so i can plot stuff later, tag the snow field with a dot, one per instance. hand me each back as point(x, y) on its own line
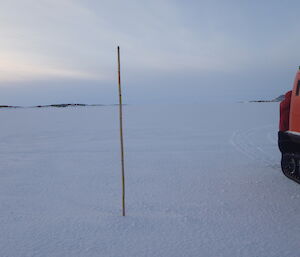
point(202, 180)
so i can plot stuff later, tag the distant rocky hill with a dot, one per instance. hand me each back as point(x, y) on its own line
point(60, 105)
point(71, 105)
point(9, 106)
point(277, 99)
point(57, 105)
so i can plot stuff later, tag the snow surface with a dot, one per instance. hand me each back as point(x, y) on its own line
point(202, 180)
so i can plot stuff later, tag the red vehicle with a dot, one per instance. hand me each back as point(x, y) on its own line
point(289, 132)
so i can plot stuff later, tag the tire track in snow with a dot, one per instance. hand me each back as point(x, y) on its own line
point(235, 142)
point(257, 144)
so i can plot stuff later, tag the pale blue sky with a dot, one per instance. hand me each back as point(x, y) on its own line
point(54, 51)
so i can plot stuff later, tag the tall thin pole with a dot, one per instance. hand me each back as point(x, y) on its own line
point(121, 134)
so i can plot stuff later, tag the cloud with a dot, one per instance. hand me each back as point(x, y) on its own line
point(19, 67)
point(78, 38)
point(46, 39)
point(73, 39)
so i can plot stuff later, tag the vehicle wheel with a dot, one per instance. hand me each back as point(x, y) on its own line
point(288, 165)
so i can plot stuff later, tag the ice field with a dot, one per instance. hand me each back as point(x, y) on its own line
point(202, 180)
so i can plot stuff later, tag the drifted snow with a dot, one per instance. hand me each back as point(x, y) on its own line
point(202, 180)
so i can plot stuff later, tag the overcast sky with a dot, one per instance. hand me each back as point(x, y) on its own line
point(59, 51)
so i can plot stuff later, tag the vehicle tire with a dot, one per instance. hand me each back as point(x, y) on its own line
point(289, 165)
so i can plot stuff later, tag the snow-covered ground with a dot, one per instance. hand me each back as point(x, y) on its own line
point(202, 180)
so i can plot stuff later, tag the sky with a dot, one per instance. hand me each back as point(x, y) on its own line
point(64, 51)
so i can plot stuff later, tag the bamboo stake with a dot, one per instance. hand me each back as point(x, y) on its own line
point(121, 133)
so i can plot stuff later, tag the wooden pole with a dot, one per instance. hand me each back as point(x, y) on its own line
point(121, 133)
